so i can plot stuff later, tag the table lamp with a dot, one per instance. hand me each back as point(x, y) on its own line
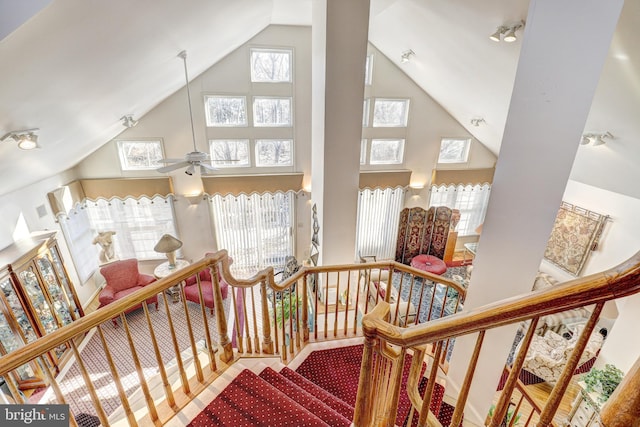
point(168, 245)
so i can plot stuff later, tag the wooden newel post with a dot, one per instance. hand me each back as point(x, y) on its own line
point(221, 319)
point(362, 413)
point(623, 407)
point(267, 343)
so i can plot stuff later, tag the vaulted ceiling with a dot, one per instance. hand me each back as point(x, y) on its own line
point(72, 68)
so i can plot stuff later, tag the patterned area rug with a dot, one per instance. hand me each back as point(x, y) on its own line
point(93, 355)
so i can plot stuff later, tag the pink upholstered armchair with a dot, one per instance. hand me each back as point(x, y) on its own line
point(191, 288)
point(123, 278)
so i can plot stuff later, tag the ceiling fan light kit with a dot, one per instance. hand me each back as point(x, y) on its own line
point(194, 159)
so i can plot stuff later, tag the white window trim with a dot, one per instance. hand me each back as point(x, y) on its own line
point(407, 102)
point(467, 150)
point(288, 51)
point(124, 161)
point(208, 119)
point(257, 143)
point(270, 125)
point(401, 160)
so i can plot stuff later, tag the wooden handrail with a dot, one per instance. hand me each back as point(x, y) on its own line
point(619, 281)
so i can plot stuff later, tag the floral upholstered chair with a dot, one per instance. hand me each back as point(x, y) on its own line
point(122, 279)
point(548, 354)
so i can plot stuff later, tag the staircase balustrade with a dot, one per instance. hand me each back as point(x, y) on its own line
point(617, 282)
point(413, 312)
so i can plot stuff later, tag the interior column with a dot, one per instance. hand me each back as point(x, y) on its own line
point(564, 47)
point(339, 46)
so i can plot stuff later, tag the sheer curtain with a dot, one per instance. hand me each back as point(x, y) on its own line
point(378, 216)
point(76, 229)
point(138, 222)
point(255, 229)
point(471, 200)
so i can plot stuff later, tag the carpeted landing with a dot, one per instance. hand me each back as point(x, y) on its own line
point(321, 392)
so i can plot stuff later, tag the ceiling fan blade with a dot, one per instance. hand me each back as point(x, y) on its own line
point(172, 167)
point(170, 160)
point(208, 166)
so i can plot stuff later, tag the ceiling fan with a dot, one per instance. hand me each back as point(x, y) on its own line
point(194, 159)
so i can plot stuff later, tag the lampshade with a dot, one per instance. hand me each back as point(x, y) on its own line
point(167, 243)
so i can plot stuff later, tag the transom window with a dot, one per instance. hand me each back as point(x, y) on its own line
point(271, 65)
point(390, 112)
point(229, 153)
point(454, 150)
point(386, 151)
point(274, 152)
point(272, 112)
point(226, 110)
point(139, 155)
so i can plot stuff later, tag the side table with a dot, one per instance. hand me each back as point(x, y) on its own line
point(163, 270)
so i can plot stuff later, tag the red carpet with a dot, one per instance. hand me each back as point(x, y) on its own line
point(321, 393)
point(338, 370)
point(251, 401)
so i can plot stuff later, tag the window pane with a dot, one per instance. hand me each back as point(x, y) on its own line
point(273, 152)
point(390, 112)
point(226, 110)
point(368, 70)
point(454, 150)
point(386, 151)
point(272, 112)
point(365, 113)
point(363, 151)
point(139, 155)
point(270, 65)
point(229, 153)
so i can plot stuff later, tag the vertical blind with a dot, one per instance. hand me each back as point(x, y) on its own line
point(378, 216)
point(255, 229)
point(471, 200)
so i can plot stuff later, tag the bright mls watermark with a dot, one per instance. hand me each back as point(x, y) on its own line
point(34, 415)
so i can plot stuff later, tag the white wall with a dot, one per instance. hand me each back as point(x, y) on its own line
point(428, 123)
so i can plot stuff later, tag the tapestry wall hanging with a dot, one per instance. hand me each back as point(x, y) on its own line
point(575, 234)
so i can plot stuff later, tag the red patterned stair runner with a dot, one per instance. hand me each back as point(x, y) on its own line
point(321, 392)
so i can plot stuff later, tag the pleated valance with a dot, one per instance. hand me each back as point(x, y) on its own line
point(107, 188)
point(252, 183)
point(462, 176)
point(384, 179)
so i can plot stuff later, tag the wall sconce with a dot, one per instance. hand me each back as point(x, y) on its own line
point(406, 56)
point(477, 121)
point(416, 188)
point(507, 32)
point(27, 139)
point(127, 121)
point(194, 199)
point(595, 139)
